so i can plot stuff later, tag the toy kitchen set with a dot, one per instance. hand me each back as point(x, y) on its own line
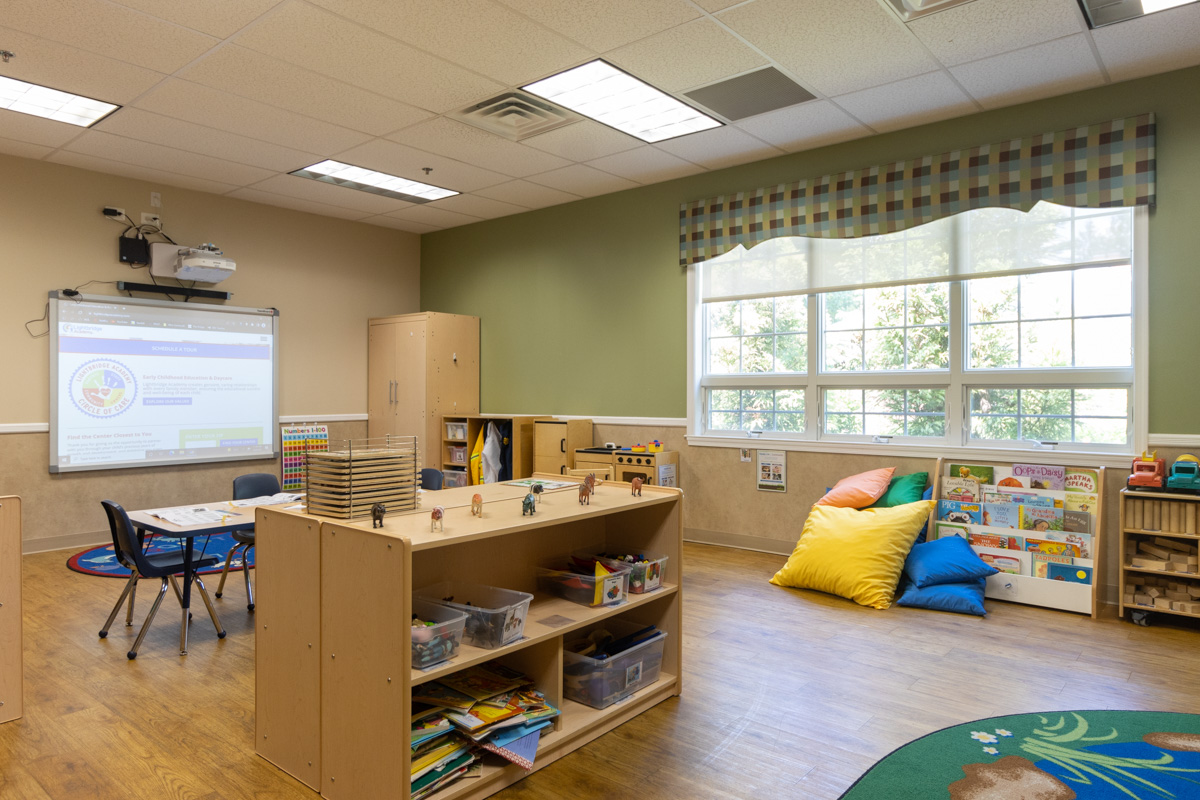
point(649, 462)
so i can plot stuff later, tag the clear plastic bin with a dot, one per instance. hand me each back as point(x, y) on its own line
point(600, 682)
point(453, 478)
point(556, 577)
point(438, 642)
point(456, 430)
point(458, 455)
point(495, 617)
point(645, 575)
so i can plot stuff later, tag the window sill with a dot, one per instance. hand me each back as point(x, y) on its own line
point(1074, 458)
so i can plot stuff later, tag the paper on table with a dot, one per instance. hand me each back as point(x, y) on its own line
point(268, 500)
point(186, 517)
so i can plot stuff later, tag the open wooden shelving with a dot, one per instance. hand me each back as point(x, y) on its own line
point(1173, 521)
point(334, 664)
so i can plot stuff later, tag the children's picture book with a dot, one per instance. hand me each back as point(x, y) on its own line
point(1026, 497)
point(1001, 515)
point(484, 680)
point(943, 529)
point(1034, 518)
point(996, 541)
point(1013, 562)
point(1071, 573)
point(1053, 548)
point(979, 472)
point(1040, 476)
point(436, 694)
point(1081, 501)
point(1077, 521)
point(962, 513)
point(964, 490)
point(1040, 561)
point(1082, 480)
point(1083, 541)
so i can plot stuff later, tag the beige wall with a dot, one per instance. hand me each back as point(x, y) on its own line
point(326, 277)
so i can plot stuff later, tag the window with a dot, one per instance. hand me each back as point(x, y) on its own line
point(994, 328)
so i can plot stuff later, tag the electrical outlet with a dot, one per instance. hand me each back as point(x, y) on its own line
point(151, 219)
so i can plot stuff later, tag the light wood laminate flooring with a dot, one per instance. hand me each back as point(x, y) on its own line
point(787, 694)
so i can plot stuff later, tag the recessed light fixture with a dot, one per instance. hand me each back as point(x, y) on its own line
point(604, 93)
point(1107, 12)
point(368, 180)
point(912, 9)
point(42, 101)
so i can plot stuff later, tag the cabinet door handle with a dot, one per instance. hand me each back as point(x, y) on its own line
point(391, 386)
point(562, 470)
point(562, 445)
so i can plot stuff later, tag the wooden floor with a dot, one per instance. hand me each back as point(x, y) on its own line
point(787, 694)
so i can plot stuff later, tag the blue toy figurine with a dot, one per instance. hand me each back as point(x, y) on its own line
point(527, 505)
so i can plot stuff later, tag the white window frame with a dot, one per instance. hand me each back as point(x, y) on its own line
point(957, 442)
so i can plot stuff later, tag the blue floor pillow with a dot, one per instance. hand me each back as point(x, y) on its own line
point(961, 598)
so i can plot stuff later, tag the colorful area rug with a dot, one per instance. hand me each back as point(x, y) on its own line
point(1068, 755)
point(103, 560)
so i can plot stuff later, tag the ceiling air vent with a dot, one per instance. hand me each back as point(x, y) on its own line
point(754, 93)
point(516, 116)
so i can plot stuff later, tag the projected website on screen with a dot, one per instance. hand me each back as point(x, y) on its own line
point(136, 383)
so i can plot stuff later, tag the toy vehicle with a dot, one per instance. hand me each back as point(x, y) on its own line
point(1149, 472)
point(1185, 474)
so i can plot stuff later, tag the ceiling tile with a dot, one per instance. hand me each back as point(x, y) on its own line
point(109, 30)
point(315, 39)
point(464, 142)
point(718, 5)
point(985, 28)
point(526, 194)
point(70, 69)
point(645, 165)
point(720, 147)
point(803, 127)
point(268, 80)
point(295, 203)
point(583, 180)
point(832, 46)
point(903, 104)
point(583, 141)
point(165, 159)
point(604, 25)
point(476, 206)
point(401, 224)
point(227, 112)
point(147, 174)
point(407, 162)
point(134, 123)
point(1148, 45)
point(1044, 70)
point(328, 194)
point(480, 35)
point(690, 55)
point(36, 130)
point(431, 215)
point(12, 147)
point(220, 18)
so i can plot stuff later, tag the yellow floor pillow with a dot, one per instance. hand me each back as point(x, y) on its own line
point(854, 554)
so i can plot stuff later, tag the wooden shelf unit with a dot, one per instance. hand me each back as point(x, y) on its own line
point(11, 662)
point(522, 441)
point(333, 667)
point(555, 442)
point(1145, 516)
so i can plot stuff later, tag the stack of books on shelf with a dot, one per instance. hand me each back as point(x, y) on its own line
point(483, 708)
point(1024, 519)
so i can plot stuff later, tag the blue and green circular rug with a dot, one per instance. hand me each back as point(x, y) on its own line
point(1059, 755)
point(103, 560)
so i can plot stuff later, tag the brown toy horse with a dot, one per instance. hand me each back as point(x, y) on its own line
point(436, 518)
point(635, 487)
point(477, 506)
point(586, 489)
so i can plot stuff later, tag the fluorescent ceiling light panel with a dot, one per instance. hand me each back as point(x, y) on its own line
point(368, 180)
point(1150, 6)
point(42, 101)
point(1107, 12)
point(602, 92)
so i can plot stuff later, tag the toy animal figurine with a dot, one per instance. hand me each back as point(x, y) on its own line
point(477, 506)
point(527, 505)
point(586, 489)
point(436, 519)
point(537, 492)
point(377, 512)
point(635, 487)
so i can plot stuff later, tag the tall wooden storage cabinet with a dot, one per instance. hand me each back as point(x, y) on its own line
point(555, 442)
point(421, 367)
point(11, 670)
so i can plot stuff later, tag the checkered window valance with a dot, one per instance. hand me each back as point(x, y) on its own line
point(1094, 166)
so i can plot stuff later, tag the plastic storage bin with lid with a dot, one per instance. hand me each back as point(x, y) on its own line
point(647, 571)
point(458, 454)
point(454, 478)
point(618, 658)
point(495, 617)
point(437, 631)
point(577, 578)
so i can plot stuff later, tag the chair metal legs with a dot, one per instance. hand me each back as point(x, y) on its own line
point(212, 613)
point(128, 591)
point(162, 591)
point(245, 548)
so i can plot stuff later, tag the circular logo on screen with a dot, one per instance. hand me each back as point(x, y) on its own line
point(103, 388)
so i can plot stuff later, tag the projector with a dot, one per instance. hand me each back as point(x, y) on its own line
point(204, 263)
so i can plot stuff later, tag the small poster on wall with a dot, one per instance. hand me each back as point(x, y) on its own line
point(772, 470)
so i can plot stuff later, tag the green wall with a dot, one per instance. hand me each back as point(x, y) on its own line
point(584, 307)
